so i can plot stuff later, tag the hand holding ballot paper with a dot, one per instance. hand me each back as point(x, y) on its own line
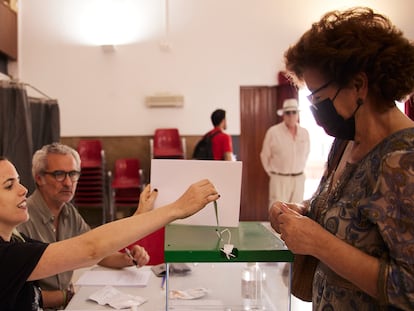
point(172, 177)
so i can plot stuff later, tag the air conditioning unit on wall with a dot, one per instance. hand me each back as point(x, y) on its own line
point(164, 100)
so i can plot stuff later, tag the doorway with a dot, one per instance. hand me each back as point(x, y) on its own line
point(258, 106)
point(257, 114)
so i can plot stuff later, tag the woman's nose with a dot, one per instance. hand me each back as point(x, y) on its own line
point(23, 189)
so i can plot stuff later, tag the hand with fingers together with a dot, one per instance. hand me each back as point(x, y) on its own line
point(276, 210)
point(297, 231)
point(146, 200)
point(139, 255)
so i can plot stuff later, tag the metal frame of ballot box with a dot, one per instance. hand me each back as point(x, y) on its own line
point(253, 243)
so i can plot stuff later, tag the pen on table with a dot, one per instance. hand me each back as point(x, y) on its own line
point(163, 281)
point(128, 252)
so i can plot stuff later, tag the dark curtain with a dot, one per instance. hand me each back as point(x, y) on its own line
point(285, 90)
point(409, 107)
point(22, 127)
point(46, 121)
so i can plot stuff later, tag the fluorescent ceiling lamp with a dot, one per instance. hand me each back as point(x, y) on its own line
point(111, 22)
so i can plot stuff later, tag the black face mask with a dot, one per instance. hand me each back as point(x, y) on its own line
point(334, 124)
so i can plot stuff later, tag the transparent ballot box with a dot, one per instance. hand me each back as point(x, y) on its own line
point(202, 274)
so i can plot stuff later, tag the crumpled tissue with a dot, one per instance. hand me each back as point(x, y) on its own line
point(109, 295)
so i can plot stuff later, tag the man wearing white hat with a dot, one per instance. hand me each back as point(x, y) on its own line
point(284, 154)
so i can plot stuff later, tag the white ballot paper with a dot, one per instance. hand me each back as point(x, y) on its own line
point(130, 276)
point(173, 177)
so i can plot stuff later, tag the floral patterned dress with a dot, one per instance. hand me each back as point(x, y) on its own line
point(371, 207)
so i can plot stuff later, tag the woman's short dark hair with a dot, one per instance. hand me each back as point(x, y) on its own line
point(343, 44)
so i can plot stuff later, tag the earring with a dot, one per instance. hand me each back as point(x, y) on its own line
point(359, 101)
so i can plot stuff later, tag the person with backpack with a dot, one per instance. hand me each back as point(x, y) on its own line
point(215, 144)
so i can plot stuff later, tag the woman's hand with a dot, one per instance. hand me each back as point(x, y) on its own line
point(146, 200)
point(276, 210)
point(300, 233)
point(197, 196)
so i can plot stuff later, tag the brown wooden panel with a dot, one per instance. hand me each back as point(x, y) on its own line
point(8, 31)
point(257, 113)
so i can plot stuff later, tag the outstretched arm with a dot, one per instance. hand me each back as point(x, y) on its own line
point(89, 248)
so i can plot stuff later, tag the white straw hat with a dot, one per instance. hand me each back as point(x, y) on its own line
point(290, 104)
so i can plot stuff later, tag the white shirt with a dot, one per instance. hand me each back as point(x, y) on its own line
point(283, 153)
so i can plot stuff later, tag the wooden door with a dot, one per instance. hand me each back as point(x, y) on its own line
point(258, 105)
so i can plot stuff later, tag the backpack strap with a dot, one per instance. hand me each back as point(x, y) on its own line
point(212, 134)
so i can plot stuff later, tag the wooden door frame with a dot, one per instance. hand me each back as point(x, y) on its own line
point(257, 114)
point(258, 107)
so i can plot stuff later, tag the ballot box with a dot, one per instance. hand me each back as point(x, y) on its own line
point(238, 268)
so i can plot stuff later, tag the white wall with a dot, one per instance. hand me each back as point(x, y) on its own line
point(215, 46)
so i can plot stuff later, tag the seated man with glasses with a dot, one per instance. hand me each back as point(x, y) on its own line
point(56, 171)
point(61, 175)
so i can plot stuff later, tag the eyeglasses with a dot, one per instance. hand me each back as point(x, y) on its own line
point(290, 112)
point(61, 175)
point(310, 96)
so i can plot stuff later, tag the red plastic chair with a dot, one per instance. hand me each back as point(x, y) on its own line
point(91, 153)
point(167, 144)
point(126, 186)
point(91, 188)
point(127, 173)
point(154, 245)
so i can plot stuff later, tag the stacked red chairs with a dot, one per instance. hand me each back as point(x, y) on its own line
point(91, 190)
point(126, 184)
